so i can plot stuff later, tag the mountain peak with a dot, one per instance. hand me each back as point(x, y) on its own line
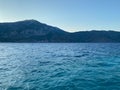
point(30, 21)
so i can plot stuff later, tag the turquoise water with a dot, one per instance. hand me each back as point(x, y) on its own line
point(59, 66)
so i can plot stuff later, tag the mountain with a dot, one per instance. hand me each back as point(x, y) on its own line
point(34, 31)
point(31, 31)
point(96, 36)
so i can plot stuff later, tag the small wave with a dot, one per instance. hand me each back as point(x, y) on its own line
point(44, 63)
point(105, 64)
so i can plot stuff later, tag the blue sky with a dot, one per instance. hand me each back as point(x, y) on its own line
point(70, 15)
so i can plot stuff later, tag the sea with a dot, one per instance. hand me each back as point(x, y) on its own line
point(59, 66)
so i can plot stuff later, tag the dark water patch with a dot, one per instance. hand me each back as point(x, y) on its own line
point(83, 55)
point(15, 88)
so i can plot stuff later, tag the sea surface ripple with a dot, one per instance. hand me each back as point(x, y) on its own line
point(59, 66)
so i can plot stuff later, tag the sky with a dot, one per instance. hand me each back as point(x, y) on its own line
point(69, 15)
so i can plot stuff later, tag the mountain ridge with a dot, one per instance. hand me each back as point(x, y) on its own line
point(35, 31)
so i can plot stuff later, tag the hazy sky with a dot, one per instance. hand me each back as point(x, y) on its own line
point(70, 15)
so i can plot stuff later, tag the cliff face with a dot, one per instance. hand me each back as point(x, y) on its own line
point(34, 31)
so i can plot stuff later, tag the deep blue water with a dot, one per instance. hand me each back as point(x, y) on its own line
point(59, 66)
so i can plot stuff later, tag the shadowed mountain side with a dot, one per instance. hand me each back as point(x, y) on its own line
point(34, 31)
point(96, 36)
point(31, 31)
